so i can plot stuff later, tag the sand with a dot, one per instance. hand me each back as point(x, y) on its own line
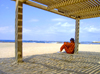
point(42, 58)
point(8, 49)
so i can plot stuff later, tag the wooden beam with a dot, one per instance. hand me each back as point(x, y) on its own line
point(18, 31)
point(64, 3)
point(70, 14)
point(77, 35)
point(96, 1)
point(44, 8)
point(90, 16)
point(90, 9)
point(23, 1)
point(92, 13)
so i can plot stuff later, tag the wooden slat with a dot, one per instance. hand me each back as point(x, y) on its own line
point(98, 1)
point(20, 7)
point(64, 3)
point(19, 32)
point(21, 0)
point(92, 1)
point(19, 26)
point(20, 40)
point(74, 7)
point(90, 16)
point(88, 4)
point(83, 4)
point(95, 1)
point(84, 10)
point(44, 8)
point(20, 13)
point(46, 2)
point(89, 13)
point(67, 8)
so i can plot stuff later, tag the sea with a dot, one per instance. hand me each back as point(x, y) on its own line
point(36, 41)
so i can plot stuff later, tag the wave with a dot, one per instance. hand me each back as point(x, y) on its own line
point(55, 42)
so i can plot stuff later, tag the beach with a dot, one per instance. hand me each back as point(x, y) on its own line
point(42, 58)
point(8, 49)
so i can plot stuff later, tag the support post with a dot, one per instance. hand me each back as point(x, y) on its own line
point(77, 35)
point(18, 31)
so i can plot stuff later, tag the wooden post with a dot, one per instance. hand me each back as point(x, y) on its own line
point(77, 35)
point(18, 31)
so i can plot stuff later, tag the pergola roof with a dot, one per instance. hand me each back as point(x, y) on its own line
point(82, 9)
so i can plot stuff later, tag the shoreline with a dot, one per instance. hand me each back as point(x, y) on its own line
point(92, 43)
point(41, 41)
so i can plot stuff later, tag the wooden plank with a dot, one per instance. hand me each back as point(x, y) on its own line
point(65, 3)
point(77, 35)
point(18, 31)
point(46, 2)
point(95, 1)
point(44, 8)
point(75, 7)
point(89, 4)
point(98, 1)
point(21, 0)
point(83, 8)
point(90, 16)
point(89, 9)
point(87, 13)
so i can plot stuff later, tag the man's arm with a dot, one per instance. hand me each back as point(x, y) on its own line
point(67, 44)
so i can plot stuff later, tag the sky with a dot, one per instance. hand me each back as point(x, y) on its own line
point(43, 25)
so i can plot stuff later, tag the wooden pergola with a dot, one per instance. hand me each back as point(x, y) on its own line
point(75, 9)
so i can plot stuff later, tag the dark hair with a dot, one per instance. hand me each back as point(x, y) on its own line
point(72, 39)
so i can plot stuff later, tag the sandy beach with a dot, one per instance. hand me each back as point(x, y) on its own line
point(7, 50)
point(42, 58)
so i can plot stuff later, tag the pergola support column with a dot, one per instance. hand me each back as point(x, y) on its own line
point(77, 35)
point(18, 31)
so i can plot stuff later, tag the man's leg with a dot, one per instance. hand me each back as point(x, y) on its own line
point(63, 47)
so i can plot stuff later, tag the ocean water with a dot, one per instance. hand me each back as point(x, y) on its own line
point(34, 41)
point(29, 41)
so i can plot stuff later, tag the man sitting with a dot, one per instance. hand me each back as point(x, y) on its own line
point(68, 46)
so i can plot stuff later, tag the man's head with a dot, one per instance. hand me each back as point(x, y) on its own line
point(72, 39)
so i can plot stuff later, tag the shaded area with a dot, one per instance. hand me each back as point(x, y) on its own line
point(56, 63)
point(1, 72)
